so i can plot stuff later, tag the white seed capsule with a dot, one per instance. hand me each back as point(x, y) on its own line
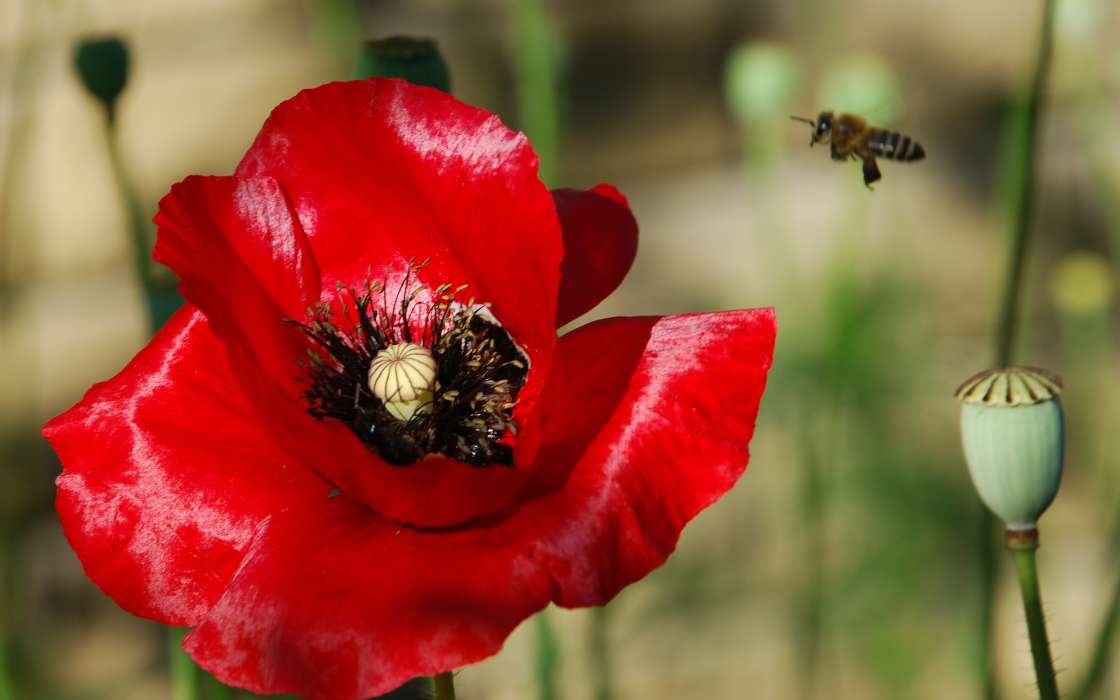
point(1013, 434)
point(403, 377)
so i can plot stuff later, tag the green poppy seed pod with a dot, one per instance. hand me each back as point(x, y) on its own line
point(103, 67)
point(1013, 436)
point(416, 60)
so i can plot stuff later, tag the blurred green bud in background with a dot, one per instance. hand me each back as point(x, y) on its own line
point(862, 84)
point(1013, 435)
point(103, 67)
point(418, 61)
point(1082, 284)
point(760, 81)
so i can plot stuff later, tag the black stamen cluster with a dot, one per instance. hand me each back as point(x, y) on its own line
point(479, 372)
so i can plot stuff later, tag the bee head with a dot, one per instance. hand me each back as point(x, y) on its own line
point(822, 130)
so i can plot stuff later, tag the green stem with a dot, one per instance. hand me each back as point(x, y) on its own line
point(810, 608)
point(7, 564)
point(989, 573)
point(161, 298)
point(600, 654)
point(537, 92)
point(6, 692)
point(184, 674)
point(141, 248)
point(1102, 653)
point(444, 685)
point(1022, 193)
point(538, 116)
point(215, 689)
point(547, 653)
point(1036, 623)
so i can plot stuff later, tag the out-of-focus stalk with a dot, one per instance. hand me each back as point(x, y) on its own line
point(536, 50)
point(184, 674)
point(138, 226)
point(545, 657)
point(1022, 195)
point(810, 598)
point(600, 649)
point(1021, 191)
point(444, 686)
point(1107, 187)
point(1083, 294)
point(1099, 666)
point(7, 582)
point(214, 689)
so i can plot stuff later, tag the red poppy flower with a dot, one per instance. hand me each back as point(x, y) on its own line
point(332, 530)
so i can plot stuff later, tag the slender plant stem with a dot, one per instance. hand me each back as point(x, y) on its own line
point(1022, 192)
point(141, 247)
point(1036, 622)
point(1102, 653)
point(600, 654)
point(7, 583)
point(444, 685)
point(1099, 665)
point(184, 674)
point(6, 692)
point(810, 603)
point(215, 689)
point(535, 45)
point(546, 657)
point(989, 573)
point(537, 91)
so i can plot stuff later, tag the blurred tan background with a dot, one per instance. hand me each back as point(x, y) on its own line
point(847, 547)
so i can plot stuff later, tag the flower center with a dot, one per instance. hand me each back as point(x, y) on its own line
point(414, 378)
point(403, 376)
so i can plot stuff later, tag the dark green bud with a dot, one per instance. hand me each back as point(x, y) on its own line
point(416, 60)
point(103, 67)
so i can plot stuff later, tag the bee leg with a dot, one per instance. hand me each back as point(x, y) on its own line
point(870, 172)
point(835, 154)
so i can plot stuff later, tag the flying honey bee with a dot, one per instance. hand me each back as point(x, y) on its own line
point(850, 136)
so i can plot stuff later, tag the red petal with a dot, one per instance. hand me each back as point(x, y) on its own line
point(166, 475)
point(649, 424)
point(600, 242)
point(333, 602)
point(245, 262)
point(381, 171)
point(242, 258)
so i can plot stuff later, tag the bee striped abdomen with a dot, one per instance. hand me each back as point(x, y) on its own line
point(895, 146)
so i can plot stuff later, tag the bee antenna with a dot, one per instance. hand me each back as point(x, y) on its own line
point(810, 122)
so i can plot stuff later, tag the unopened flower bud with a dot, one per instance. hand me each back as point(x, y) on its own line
point(1013, 436)
point(418, 61)
point(403, 377)
point(103, 67)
